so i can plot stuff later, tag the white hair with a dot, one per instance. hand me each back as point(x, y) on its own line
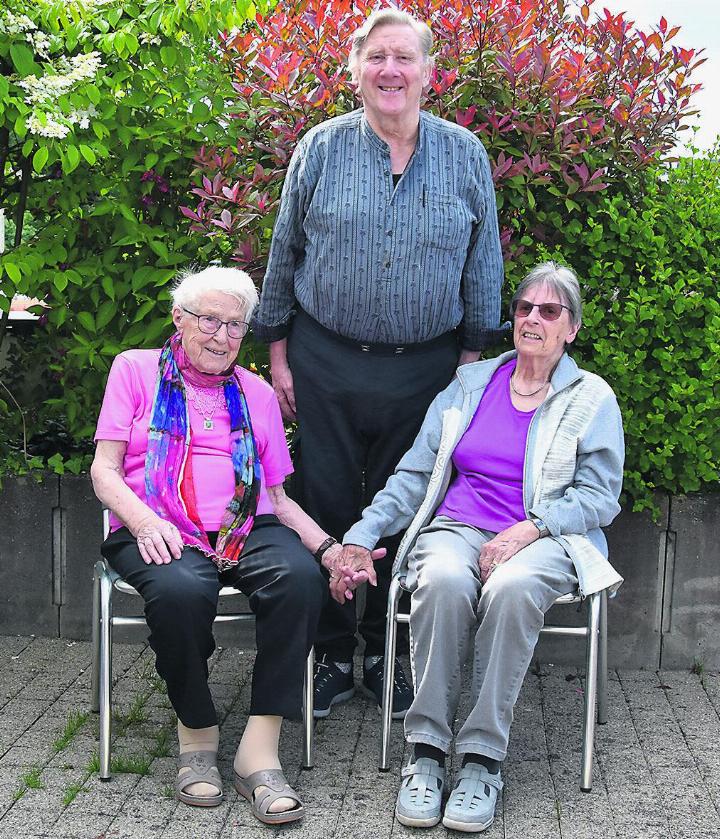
point(388, 17)
point(191, 285)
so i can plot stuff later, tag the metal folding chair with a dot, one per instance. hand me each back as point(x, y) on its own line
point(105, 581)
point(595, 633)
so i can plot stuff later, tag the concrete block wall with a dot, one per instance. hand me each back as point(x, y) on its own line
point(667, 614)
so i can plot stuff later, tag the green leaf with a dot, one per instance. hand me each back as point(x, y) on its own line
point(70, 159)
point(106, 313)
point(86, 320)
point(160, 248)
point(12, 271)
point(22, 58)
point(88, 154)
point(200, 111)
point(40, 158)
point(107, 286)
point(92, 93)
point(169, 56)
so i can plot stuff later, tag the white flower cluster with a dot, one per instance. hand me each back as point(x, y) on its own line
point(40, 43)
point(46, 91)
point(82, 117)
point(146, 38)
point(70, 71)
point(15, 24)
point(46, 126)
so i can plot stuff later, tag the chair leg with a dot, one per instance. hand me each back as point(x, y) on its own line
point(389, 672)
point(308, 707)
point(105, 675)
point(591, 676)
point(602, 700)
point(94, 681)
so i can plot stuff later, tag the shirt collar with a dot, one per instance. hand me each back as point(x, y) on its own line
point(379, 143)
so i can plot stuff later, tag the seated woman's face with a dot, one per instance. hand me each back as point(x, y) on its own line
point(538, 337)
point(210, 353)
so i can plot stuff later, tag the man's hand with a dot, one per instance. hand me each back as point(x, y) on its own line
point(282, 379)
point(505, 545)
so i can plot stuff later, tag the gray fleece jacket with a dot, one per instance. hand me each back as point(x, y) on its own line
point(572, 473)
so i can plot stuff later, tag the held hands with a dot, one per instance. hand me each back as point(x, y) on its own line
point(349, 567)
point(158, 540)
point(505, 545)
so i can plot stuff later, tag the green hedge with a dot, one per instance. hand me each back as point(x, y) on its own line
point(650, 266)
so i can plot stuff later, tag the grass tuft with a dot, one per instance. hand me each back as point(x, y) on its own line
point(71, 794)
point(75, 722)
point(131, 764)
point(32, 779)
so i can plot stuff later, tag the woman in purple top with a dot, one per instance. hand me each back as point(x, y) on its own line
point(517, 467)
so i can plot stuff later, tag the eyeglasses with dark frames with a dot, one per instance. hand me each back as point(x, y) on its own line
point(210, 325)
point(547, 311)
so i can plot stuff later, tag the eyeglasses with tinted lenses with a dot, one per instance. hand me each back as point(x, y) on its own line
point(209, 324)
point(548, 311)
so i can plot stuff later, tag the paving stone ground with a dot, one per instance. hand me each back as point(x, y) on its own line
point(657, 766)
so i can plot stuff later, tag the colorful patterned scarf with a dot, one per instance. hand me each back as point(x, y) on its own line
point(168, 463)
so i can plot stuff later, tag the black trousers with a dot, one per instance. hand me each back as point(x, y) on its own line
point(286, 591)
point(358, 413)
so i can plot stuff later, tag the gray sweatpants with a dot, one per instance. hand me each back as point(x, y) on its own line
point(449, 604)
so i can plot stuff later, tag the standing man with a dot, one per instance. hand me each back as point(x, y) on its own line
point(384, 274)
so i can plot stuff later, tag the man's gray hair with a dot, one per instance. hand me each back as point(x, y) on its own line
point(560, 279)
point(191, 285)
point(389, 17)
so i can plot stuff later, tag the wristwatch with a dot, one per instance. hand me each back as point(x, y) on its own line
point(328, 543)
point(541, 526)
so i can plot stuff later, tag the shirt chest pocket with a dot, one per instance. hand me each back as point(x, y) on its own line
point(443, 222)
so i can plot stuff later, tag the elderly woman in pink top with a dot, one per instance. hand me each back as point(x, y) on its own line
point(191, 458)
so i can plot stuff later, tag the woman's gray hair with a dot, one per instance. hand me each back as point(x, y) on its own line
point(191, 285)
point(389, 17)
point(558, 278)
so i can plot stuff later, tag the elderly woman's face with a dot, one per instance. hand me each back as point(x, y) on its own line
point(539, 338)
point(392, 72)
point(210, 353)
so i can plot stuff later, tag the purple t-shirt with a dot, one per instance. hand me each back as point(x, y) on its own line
point(487, 489)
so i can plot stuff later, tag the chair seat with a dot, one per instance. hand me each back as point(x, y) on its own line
point(125, 588)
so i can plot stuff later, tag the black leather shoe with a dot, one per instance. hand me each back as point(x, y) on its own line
point(402, 692)
point(331, 686)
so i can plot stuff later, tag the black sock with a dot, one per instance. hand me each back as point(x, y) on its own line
point(423, 750)
point(492, 766)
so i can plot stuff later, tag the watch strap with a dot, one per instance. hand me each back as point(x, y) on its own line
point(328, 543)
point(541, 526)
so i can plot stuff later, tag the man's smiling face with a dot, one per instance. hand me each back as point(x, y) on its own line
point(392, 73)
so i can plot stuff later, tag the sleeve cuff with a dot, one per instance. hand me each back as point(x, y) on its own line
point(268, 334)
point(355, 536)
point(478, 341)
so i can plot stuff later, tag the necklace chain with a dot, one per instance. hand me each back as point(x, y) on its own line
point(205, 404)
point(532, 393)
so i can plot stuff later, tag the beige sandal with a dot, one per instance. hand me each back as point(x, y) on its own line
point(203, 770)
point(277, 787)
